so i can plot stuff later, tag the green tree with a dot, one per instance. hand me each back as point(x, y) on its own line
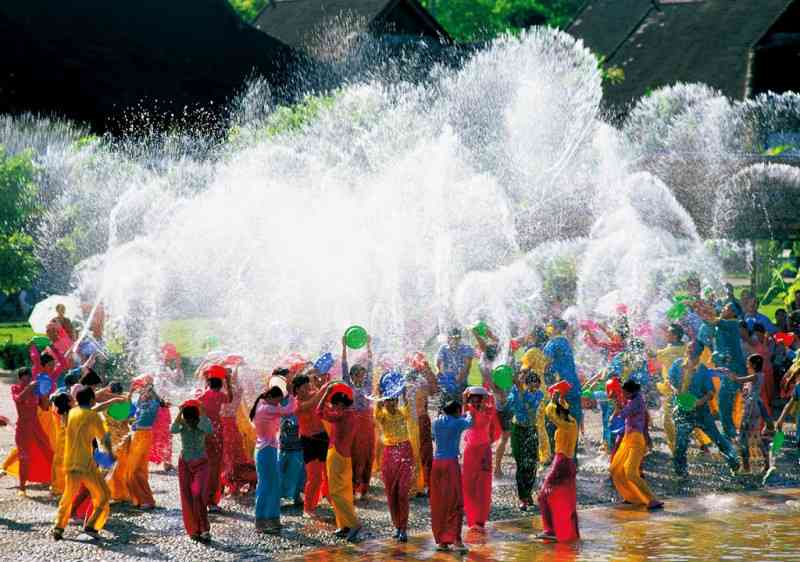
point(248, 10)
point(19, 207)
point(477, 20)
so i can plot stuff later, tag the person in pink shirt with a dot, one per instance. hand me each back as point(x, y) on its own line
point(266, 415)
point(33, 446)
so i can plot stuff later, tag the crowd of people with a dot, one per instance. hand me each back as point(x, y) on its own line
point(320, 431)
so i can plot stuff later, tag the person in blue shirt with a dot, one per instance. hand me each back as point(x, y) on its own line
point(562, 363)
point(446, 495)
point(752, 316)
point(688, 375)
point(728, 354)
point(453, 363)
point(523, 404)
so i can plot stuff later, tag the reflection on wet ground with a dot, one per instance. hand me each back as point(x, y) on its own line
point(760, 526)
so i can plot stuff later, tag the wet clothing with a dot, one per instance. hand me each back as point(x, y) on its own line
point(447, 432)
point(562, 364)
point(34, 450)
point(446, 500)
point(192, 483)
point(339, 464)
point(453, 363)
point(477, 473)
point(627, 461)
point(193, 439)
point(558, 492)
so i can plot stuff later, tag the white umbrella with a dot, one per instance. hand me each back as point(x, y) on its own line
point(45, 311)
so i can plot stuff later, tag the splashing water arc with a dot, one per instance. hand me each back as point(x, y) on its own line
point(402, 207)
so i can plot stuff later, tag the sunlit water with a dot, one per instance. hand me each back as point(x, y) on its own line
point(761, 526)
point(405, 207)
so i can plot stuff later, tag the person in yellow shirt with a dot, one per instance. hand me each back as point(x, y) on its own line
point(558, 493)
point(397, 465)
point(83, 426)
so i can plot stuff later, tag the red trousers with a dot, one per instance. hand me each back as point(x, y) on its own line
point(161, 449)
point(214, 445)
point(363, 450)
point(397, 471)
point(193, 484)
point(447, 505)
point(558, 500)
point(232, 454)
point(425, 447)
point(477, 482)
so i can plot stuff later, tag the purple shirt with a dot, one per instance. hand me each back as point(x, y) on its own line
point(635, 414)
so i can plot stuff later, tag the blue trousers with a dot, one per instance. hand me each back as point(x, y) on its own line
point(268, 491)
point(727, 398)
point(293, 474)
point(685, 424)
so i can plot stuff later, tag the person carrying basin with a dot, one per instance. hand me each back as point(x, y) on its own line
point(692, 386)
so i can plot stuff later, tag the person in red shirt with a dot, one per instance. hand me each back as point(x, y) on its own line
point(339, 462)
point(314, 440)
point(212, 399)
point(33, 446)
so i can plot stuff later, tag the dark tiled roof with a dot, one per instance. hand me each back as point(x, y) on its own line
point(705, 41)
point(90, 60)
point(293, 21)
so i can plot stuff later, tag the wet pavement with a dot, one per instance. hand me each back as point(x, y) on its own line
point(759, 525)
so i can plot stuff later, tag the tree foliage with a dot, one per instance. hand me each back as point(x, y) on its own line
point(19, 208)
point(248, 10)
point(478, 20)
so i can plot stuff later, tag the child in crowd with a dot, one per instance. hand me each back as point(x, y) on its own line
point(212, 398)
point(558, 492)
point(750, 429)
point(523, 404)
point(359, 377)
point(313, 439)
point(84, 425)
point(266, 415)
point(446, 497)
point(397, 465)
point(477, 475)
point(193, 427)
point(339, 462)
point(137, 475)
point(34, 451)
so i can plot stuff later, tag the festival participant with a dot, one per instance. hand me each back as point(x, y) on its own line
point(523, 403)
point(161, 449)
point(453, 363)
point(761, 346)
point(727, 354)
point(791, 406)
point(751, 422)
point(83, 426)
point(60, 330)
point(562, 363)
point(61, 403)
point(339, 462)
point(397, 468)
point(477, 476)
point(34, 452)
point(558, 493)
point(626, 464)
point(752, 316)
point(689, 376)
point(212, 399)
point(193, 427)
point(488, 346)
point(290, 459)
point(665, 357)
point(359, 377)
point(446, 499)
point(137, 474)
point(266, 415)
point(730, 299)
point(313, 439)
point(121, 439)
point(233, 454)
point(420, 385)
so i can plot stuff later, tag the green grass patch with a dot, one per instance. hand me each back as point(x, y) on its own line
point(189, 335)
point(15, 332)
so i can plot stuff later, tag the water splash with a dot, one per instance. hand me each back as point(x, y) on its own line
point(485, 192)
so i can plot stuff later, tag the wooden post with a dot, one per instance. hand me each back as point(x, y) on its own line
point(754, 269)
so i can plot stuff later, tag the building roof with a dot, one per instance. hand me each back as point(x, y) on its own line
point(293, 21)
point(101, 62)
point(660, 42)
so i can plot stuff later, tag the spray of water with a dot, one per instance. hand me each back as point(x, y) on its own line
point(406, 207)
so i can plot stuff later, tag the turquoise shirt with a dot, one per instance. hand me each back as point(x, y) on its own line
point(193, 439)
point(523, 404)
